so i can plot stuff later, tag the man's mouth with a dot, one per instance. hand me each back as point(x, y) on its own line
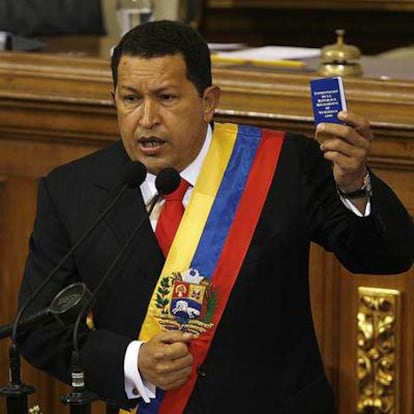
point(151, 142)
point(151, 146)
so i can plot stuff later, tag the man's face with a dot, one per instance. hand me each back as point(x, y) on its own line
point(162, 118)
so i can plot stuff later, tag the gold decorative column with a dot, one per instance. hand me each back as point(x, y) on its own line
point(379, 321)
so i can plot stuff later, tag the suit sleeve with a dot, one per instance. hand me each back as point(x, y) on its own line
point(49, 346)
point(382, 243)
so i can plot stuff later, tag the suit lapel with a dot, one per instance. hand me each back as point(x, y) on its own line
point(129, 212)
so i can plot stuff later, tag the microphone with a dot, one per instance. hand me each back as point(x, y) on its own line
point(166, 182)
point(64, 308)
point(133, 175)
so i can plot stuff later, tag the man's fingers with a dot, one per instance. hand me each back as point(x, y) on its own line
point(170, 337)
point(359, 123)
point(171, 351)
point(177, 366)
point(170, 364)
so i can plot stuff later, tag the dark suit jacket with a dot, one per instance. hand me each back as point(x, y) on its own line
point(264, 357)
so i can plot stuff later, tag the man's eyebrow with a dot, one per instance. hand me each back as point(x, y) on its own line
point(129, 88)
point(165, 88)
point(160, 89)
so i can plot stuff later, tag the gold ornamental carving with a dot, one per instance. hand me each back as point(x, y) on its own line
point(378, 344)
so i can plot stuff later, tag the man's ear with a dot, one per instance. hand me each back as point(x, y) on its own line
point(211, 99)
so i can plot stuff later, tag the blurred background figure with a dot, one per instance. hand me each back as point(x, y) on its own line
point(24, 22)
point(31, 18)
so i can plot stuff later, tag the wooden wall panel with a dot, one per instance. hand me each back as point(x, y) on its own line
point(373, 25)
point(4, 307)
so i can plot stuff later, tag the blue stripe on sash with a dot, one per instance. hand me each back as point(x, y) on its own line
point(227, 200)
point(154, 405)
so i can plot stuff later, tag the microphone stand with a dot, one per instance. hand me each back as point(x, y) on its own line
point(80, 399)
point(63, 308)
point(16, 393)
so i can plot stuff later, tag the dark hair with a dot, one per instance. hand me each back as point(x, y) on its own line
point(165, 37)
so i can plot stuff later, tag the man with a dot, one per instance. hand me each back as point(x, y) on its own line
point(191, 332)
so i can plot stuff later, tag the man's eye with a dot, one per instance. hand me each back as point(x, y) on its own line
point(130, 98)
point(167, 97)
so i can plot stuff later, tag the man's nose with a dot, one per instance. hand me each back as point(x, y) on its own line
point(149, 114)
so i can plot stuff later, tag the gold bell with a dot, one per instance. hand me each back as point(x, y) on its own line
point(340, 59)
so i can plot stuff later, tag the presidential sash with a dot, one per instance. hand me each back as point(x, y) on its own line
point(210, 245)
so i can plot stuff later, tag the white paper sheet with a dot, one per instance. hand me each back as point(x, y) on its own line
point(273, 53)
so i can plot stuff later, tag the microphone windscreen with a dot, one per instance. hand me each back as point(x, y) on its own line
point(134, 174)
point(167, 181)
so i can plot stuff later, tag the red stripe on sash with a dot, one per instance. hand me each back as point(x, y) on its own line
point(233, 254)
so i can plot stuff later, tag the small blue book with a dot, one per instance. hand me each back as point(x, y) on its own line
point(328, 98)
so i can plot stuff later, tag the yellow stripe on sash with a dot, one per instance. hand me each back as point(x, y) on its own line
point(196, 214)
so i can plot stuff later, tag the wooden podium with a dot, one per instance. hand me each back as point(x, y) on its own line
point(57, 107)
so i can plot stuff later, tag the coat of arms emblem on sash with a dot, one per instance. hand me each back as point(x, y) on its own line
point(185, 301)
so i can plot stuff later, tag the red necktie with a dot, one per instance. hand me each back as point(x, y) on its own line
point(170, 216)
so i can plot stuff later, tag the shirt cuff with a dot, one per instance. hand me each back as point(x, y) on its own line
point(135, 387)
point(348, 204)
